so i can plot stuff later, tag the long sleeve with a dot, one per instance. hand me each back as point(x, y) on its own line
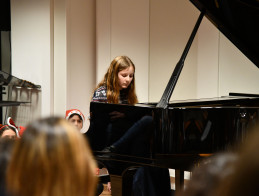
point(100, 95)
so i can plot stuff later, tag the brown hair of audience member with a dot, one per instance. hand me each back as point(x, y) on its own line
point(6, 146)
point(245, 180)
point(52, 159)
point(208, 175)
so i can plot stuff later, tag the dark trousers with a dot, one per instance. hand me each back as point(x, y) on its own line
point(151, 181)
point(134, 131)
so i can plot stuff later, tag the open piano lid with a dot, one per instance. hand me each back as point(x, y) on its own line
point(238, 20)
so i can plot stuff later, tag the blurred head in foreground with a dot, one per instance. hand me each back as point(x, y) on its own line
point(245, 180)
point(207, 177)
point(53, 159)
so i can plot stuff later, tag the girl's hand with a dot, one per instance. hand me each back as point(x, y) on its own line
point(109, 187)
point(116, 115)
point(97, 171)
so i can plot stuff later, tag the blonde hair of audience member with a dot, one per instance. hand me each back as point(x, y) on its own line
point(52, 159)
point(111, 80)
point(245, 180)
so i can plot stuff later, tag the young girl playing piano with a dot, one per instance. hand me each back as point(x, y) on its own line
point(118, 84)
point(118, 87)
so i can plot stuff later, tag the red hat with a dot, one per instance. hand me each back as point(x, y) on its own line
point(74, 111)
point(11, 123)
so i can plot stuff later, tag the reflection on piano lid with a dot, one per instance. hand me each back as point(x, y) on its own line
point(238, 20)
point(8, 79)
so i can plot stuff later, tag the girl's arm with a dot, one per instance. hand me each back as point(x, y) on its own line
point(100, 95)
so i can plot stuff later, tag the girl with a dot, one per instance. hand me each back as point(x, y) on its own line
point(118, 84)
point(126, 132)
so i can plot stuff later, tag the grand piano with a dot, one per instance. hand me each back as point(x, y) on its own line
point(183, 132)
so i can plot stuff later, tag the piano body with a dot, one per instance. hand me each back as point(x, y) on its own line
point(181, 133)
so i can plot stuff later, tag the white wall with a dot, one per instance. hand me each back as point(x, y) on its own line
point(31, 46)
point(207, 60)
point(53, 45)
point(58, 24)
point(236, 73)
point(222, 68)
point(171, 23)
point(154, 36)
point(80, 55)
point(123, 29)
point(214, 66)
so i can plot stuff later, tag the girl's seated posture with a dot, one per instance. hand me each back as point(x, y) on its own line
point(118, 86)
point(124, 130)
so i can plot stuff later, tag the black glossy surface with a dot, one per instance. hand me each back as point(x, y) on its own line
point(237, 20)
point(177, 136)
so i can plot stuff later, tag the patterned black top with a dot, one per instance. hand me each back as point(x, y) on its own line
point(100, 95)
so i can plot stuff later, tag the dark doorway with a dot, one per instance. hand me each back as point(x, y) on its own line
point(5, 46)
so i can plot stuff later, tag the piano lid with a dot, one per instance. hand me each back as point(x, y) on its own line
point(238, 20)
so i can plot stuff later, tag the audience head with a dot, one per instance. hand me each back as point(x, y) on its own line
point(52, 159)
point(245, 180)
point(76, 118)
point(7, 131)
point(6, 145)
point(208, 175)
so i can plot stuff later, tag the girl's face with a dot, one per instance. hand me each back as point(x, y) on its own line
point(76, 121)
point(125, 77)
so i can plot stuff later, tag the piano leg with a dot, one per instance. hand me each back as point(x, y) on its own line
point(122, 185)
point(179, 180)
point(127, 181)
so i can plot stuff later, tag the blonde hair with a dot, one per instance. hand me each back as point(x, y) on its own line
point(110, 80)
point(52, 159)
